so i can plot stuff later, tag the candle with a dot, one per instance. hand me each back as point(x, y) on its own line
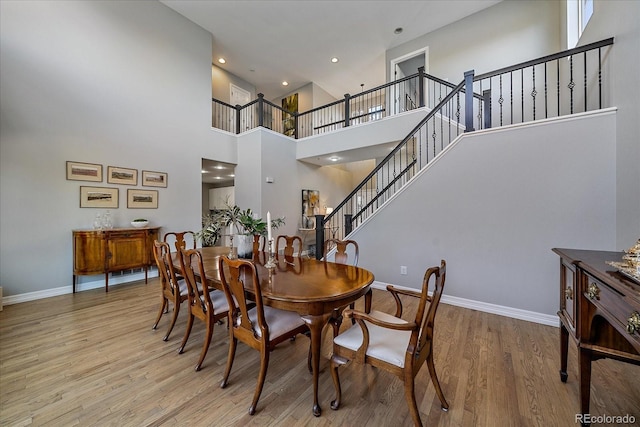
point(269, 226)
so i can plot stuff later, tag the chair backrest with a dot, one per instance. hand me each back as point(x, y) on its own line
point(290, 245)
point(437, 276)
point(182, 240)
point(259, 243)
point(342, 246)
point(234, 274)
point(199, 302)
point(162, 255)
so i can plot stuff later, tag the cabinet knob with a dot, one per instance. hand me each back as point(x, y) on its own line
point(593, 291)
point(633, 322)
point(568, 293)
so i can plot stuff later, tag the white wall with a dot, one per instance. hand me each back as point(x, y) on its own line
point(494, 205)
point(620, 19)
point(505, 34)
point(116, 83)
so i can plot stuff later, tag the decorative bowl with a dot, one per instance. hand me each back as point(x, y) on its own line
point(139, 224)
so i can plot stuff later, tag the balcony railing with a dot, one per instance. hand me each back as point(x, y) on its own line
point(411, 92)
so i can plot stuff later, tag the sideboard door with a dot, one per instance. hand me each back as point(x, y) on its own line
point(88, 252)
point(126, 249)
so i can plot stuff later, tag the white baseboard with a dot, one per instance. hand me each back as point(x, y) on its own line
point(94, 284)
point(514, 313)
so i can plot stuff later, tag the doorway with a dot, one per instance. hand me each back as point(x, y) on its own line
point(405, 97)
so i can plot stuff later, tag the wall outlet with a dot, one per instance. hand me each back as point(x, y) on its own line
point(403, 270)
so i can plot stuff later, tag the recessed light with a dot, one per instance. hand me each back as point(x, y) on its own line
point(397, 30)
point(203, 171)
point(334, 158)
point(334, 59)
point(285, 83)
point(222, 60)
point(219, 167)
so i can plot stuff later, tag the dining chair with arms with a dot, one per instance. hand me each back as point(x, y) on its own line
point(174, 289)
point(261, 327)
point(209, 305)
point(292, 245)
point(181, 240)
point(393, 344)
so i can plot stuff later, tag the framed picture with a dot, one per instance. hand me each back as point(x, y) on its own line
point(142, 199)
point(310, 207)
point(122, 176)
point(154, 179)
point(77, 171)
point(98, 197)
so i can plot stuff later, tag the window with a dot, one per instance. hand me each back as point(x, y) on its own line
point(578, 14)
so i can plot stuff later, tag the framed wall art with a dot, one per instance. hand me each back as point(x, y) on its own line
point(124, 176)
point(310, 205)
point(77, 171)
point(142, 199)
point(154, 179)
point(98, 197)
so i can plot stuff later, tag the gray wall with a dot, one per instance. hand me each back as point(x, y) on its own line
point(494, 205)
point(620, 19)
point(125, 84)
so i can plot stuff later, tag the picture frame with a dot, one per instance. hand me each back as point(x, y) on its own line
point(126, 176)
point(80, 171)
point(154, 179)
point(142, 199)
point(98, 197)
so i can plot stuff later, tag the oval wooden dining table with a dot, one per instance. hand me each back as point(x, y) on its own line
point(310, 287)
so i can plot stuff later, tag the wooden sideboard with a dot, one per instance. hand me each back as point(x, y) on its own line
point(599, 308)
point(116, 249)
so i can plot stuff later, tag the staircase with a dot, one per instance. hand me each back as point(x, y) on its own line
point(556, 85)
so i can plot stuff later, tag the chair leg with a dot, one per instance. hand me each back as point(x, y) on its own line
point(410, 395)
point(368, 297)
point(336, 362)
point(436, 383)
point(233, 343)
point(207, 341)
point(186, 333)
point(264, 364)
point(174, 317)
point(161, 312)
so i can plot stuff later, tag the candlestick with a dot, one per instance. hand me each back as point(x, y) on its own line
point(269, 238)
point(271, 263)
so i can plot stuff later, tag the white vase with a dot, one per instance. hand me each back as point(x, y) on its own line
point(244, 244)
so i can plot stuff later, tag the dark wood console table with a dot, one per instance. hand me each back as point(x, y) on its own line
point(116, 249)
point(599, 309)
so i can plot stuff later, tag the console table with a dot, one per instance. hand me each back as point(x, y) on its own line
point(599, 309)
point(105, 251)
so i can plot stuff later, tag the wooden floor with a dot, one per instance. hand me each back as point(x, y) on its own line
point(93, 359)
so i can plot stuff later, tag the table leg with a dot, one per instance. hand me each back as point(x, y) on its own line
point(316, 323)
point(585, 380)
point(564, 348)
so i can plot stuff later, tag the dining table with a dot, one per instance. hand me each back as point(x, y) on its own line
point(310, 287)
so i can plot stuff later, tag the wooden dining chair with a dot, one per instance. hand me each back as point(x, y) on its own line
point(292, 245)
point(393, 344)
point(181, 240)
point(260, 327)
point(208, 305)
point(340, 250)
point(259, 243)
point(173, 289)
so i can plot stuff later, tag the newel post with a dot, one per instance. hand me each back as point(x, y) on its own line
point(261, 109)
point(238, 110)
point(347, 112)
point(421, 79)
point(319, 236)
point(468, 101)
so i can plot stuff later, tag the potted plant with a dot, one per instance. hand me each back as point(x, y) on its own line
point(245, 226)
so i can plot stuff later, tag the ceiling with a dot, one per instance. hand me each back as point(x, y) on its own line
point(219, 174)
point(266, 42)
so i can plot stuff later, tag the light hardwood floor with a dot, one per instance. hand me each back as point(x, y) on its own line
point(93, 359)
